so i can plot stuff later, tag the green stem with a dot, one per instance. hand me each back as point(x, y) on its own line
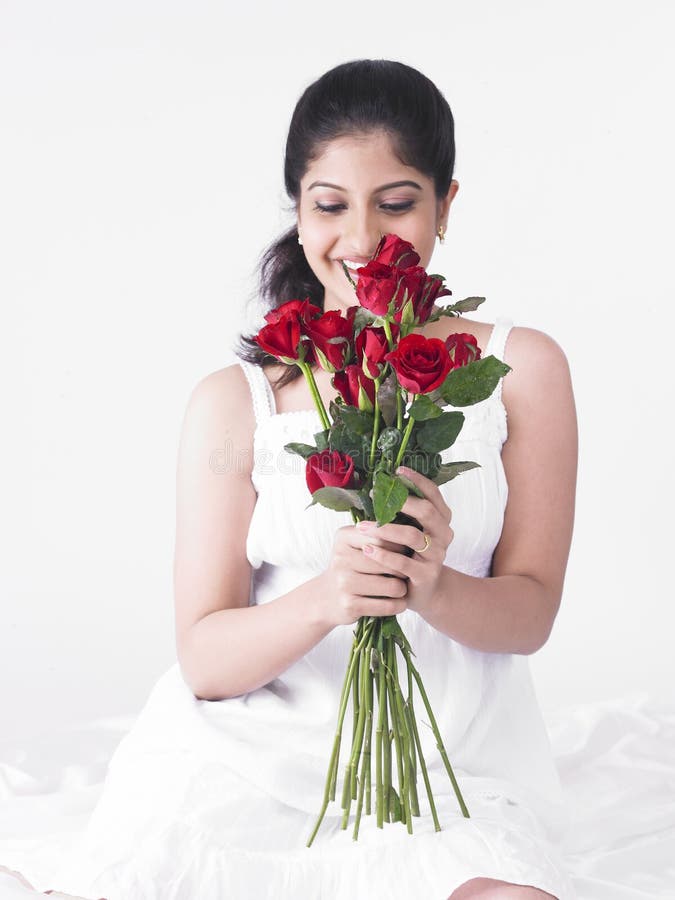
point(386, 765)
point(365, 760)
point(331, 778)
point(439, 741)
point(379, 736)
point(398, 737)
point(407, 742)
point(316, 396)
point(369, 739)
point(420, 755)
point(376, 426)
point(350, 793)
point(387, 331)
point(404, 442)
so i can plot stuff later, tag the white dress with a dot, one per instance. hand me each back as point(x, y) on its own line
point(216, 799)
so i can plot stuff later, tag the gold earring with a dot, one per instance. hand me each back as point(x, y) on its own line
point(441, 234)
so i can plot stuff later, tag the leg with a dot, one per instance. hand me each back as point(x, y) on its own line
point(489, 889)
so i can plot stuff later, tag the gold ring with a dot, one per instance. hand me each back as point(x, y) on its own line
point(427, 544)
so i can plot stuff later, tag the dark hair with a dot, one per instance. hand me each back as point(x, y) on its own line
point(354, 97)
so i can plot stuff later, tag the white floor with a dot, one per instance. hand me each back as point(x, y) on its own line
point(616, 761)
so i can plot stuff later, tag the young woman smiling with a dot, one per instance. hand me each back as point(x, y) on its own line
point(217, 787)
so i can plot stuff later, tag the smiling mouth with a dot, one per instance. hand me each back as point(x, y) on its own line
point(349, 268)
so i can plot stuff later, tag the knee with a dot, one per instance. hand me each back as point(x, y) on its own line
point(490, 889)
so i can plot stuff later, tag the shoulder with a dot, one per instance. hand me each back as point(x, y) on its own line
point(534, 357)
point(539, 377)
point(219, 414)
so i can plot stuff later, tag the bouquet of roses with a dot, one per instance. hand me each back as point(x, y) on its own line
point(392, 388)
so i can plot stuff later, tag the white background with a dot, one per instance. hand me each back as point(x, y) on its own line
point(141, 177)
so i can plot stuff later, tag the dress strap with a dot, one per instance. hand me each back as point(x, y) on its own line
point(261, 391)
point(496, 345)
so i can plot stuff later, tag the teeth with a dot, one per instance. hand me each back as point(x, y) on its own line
point(352, 265)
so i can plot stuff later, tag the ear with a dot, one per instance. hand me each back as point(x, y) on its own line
point(444, 203)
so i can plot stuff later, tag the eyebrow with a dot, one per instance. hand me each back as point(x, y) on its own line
point(384, 187)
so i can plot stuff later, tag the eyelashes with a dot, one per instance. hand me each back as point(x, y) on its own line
point(388, 207)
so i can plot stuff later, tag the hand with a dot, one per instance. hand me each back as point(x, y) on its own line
point(355, 584)
point(423, 569)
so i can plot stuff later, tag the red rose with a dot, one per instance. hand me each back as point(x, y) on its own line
point(393, 251)
point(281, 339)
point(433, 289)
point(331, 335)
point(423, 290)
point(371, 346)
point(420, 363)
point(348, 382)
point(330, 468)
point(302, 308)
point(462, 349)
point(284, 334)
point(376, 286)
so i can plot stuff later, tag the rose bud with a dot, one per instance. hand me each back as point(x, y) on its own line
point(420, 363)
point(355, 388)
point(462, 349)
point(330, 468)
point(330, 335)
point(393, 251)
point(371, 346)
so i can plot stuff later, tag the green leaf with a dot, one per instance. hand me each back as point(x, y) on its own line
point(469, 304)
point(389, 438)
point(412, 487)
point(440, 433)
point(471, 384)
point(303, 450)
point(407, 313)
point(389, 495)
point(423, 408)
point(448, 471)
point(321, 438)
point(358, 421)
point(386, 397)
point(337, 498)
point(362, 318)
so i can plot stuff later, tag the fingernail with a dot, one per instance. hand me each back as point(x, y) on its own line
point(402, 470)
point(368, 548)
point(365, 526)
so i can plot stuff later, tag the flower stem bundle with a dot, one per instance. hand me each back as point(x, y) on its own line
point(393, 389)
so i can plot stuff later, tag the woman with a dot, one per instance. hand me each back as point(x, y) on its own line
point(214, 791)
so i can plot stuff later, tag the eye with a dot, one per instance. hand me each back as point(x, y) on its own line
point(398, 207)
point(330, 208)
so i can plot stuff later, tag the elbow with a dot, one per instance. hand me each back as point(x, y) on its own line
point(541, 623)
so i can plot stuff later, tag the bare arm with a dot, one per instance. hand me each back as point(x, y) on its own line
point(513, 610)
point(226, 647)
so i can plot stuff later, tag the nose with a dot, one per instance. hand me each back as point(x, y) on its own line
point(361, 235)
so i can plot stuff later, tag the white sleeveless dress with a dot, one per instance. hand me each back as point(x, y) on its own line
point(216, 799)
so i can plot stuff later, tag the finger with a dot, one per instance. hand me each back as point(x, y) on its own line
point(363, 533)
point(406, 535)
point(373, 606)
point(430, 490)
point(426, 513)
point(363, 563)
point(378, 585)
point(400, 565)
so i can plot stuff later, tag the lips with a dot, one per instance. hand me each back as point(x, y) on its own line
point(352, 266)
